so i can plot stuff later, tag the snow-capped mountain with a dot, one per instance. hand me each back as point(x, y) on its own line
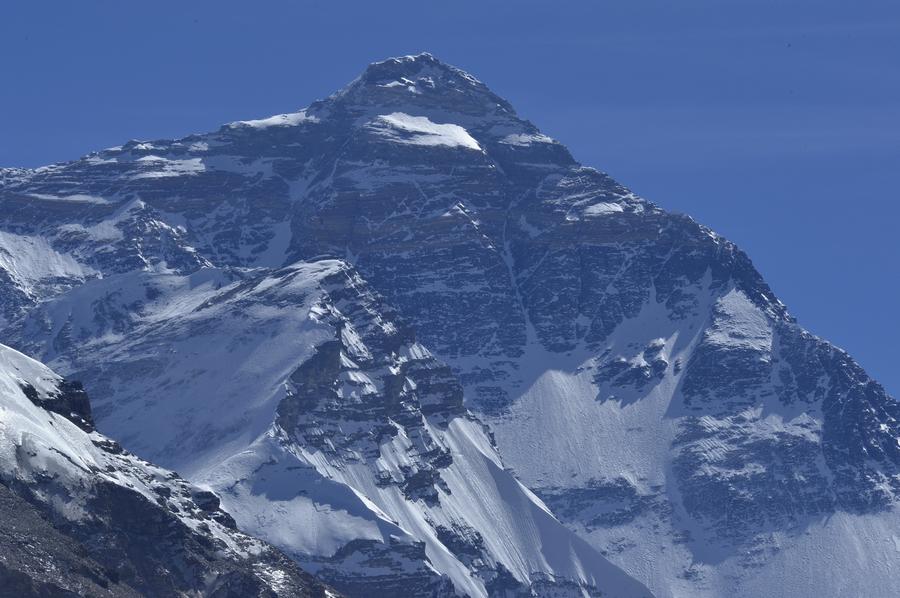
point(383, 326)
point(82, 516)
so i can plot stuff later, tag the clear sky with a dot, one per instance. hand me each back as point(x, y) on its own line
point(777, 123)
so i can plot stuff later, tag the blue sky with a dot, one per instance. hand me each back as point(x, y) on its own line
point(775, 123)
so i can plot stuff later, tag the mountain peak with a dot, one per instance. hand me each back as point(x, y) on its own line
point(423, 80)
point(411, 66)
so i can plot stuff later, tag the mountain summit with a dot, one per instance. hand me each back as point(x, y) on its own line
point(418, 347)
point(420, 67)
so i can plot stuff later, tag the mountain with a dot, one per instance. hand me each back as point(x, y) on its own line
point(325, 426)
point(399, 328)
point(82, 516)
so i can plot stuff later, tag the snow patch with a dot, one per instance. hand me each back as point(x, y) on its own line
point(30, 260)
point(74, 198)
point(279, 120)
point(419, 130)
point(163, 167)
point(526, 139)
point(602, 209)
point(740, 323)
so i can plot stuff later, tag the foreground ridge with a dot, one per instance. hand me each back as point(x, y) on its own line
point(82, 516)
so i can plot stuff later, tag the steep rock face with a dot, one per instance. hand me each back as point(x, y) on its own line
point(374, 410)
point(81, 516)
point(634, 368)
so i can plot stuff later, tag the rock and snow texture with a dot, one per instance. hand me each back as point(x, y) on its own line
point(309, 312)
point(326, 428)
point(81, 516)
point(30, 269)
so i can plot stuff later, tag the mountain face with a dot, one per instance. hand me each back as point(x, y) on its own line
point(325, 426)
point(82, 516)
point(404, 335)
